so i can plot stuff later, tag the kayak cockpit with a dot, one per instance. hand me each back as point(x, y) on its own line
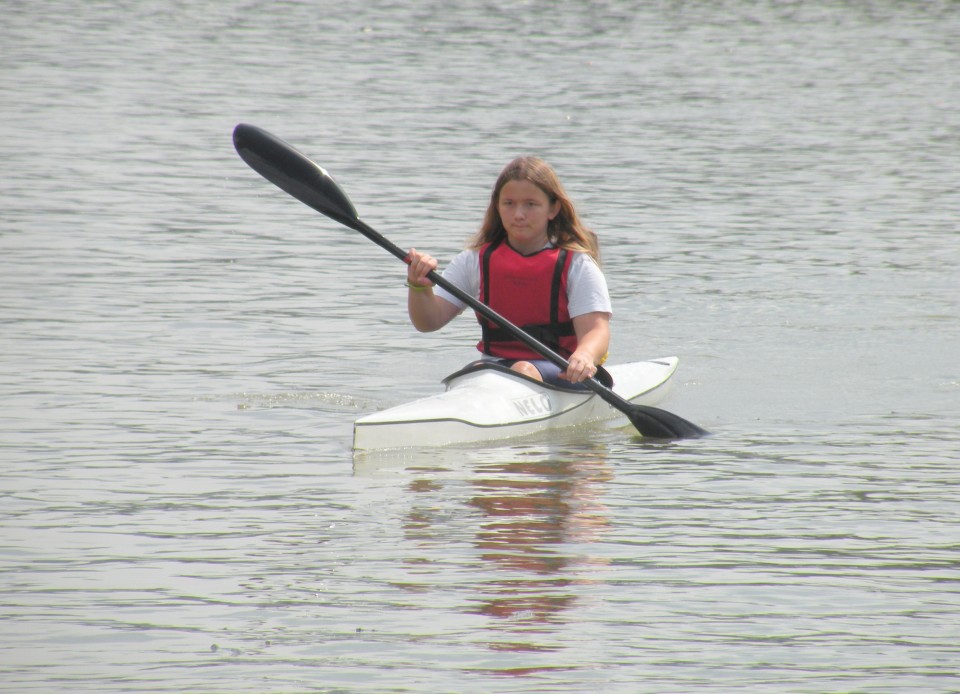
point(485, 364)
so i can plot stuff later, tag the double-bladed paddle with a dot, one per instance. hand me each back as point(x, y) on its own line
point(293, 172)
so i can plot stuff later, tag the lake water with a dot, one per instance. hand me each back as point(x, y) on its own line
point(184, 349)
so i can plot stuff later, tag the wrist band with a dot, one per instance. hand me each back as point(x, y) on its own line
point(417, 287)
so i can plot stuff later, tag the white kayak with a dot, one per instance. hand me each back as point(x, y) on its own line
point(488, 402)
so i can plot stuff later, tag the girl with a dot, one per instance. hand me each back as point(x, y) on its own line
point(533, 262)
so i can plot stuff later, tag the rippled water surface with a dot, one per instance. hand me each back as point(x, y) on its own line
point(184, 349)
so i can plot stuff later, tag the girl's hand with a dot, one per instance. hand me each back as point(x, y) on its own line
point(581, 367)
point(420, 266)
point(593, 338)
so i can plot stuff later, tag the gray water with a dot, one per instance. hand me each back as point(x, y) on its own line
point(184, 349)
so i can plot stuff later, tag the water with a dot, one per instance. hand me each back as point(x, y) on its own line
point(185, 348)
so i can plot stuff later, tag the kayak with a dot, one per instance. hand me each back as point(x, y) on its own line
point(488, 402)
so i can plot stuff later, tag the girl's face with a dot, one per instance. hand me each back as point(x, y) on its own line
point(525, 211)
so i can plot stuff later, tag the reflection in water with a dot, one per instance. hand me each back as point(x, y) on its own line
point(534, 511)
point(538, 517)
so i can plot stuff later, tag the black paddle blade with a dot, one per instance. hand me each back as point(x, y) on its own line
point(291, 171)
point(654, 423)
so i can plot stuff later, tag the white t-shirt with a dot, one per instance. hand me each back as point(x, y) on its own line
point(586, 286)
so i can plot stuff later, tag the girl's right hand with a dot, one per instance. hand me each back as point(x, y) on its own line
point(419, 267)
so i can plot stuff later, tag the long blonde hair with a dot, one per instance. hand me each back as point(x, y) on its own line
point(564, 230)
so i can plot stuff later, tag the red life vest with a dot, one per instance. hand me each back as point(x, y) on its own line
point(531, 292)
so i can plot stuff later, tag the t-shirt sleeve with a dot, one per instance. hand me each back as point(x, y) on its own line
point(587, 287)
point(464, 273)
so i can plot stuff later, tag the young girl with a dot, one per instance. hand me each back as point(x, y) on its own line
point(534, 263)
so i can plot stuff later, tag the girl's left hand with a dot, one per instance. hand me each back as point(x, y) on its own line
point(581, 367)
